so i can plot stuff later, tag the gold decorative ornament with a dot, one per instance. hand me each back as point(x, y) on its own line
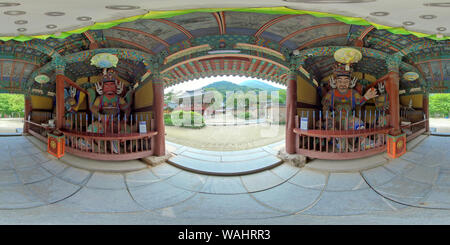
point(410, 76)
point(347, 56)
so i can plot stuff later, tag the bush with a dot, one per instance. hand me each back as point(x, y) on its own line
point(180, 115)
point(244, 115)
point(168, 120)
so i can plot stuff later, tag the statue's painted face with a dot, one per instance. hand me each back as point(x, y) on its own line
point(342, 83)
point(109, 88)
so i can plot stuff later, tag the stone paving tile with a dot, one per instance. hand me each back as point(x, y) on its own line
point(54, 166)
point(208, 206)
point(53, 189)
point(378, 176)
point(270, 150)
point(288, 198)
point(102, 200)
point(223, 185)
point(17, 151)
point(261, 181)
point(309, 179)
point(74, 175)
point(180, 150)
point(189, 181)
point(165, 170)
point(23, 162)
point(31, 175)
point(8, 177)
point(41, 157)
point(443, 178)
point(399, 166)
point(159, 195)
point(17, 196)
point(106, 181)
point(6, 164)
point(404, 190)
point(199, 156)
point(439, 197)
point(413, 157)
point(356, 202)
point(140, 178)
point(423, 174)
point(225, 153)
point(285, 171)
point(31, 149)
point(345, 182)
point(245, 157)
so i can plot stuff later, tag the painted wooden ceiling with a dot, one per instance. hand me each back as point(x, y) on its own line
point(277, 32)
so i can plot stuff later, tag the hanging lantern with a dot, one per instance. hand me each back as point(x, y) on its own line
point(104, 60)
point(347, 56)
point(410, 76)
point(41, 79)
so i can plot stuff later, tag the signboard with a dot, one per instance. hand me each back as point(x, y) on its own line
point(142, 127)
point(304, 123)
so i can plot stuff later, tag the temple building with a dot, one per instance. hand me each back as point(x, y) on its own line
point(355, 87)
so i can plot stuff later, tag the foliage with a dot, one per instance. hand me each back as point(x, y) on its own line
point(244, 115)
point(439, 105)
point(12, 104)
point(176, 118)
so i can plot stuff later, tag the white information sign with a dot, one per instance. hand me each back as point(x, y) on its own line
point(304, 123)
point(142, 127)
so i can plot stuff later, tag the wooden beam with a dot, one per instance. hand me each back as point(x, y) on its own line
point(320, 39)
point(308, 29)
point(176, 26)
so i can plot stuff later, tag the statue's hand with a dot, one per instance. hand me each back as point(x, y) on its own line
point(371, 93)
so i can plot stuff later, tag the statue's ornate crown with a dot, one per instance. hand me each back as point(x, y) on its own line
point(342, 69)
point(109, 76)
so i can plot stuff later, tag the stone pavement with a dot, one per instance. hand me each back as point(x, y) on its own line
point(225, 163)
point(38, 189)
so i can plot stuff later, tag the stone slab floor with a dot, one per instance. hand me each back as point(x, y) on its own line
point(38, 189)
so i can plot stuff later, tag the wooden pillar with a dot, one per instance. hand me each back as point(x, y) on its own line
point(59, 101)
point(158, 111)
point(426, 111)
point(27, 112)
point(291, 111)
point(392, 87)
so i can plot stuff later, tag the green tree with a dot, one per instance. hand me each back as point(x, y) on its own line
point(12, 104)
point(439, 104)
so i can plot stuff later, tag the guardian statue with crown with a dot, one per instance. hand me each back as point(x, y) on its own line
point(343, 99)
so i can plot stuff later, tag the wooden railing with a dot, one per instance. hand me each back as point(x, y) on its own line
point(110, 146)
point(415, 129)
point(38, 130)
point(338, 142)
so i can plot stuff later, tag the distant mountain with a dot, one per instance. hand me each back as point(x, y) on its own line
point(224, 86)
point(259, 85)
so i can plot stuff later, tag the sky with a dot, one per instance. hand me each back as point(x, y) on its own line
point(199, 83)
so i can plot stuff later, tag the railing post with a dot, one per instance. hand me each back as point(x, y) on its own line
point(27, 112)
point(426, 111)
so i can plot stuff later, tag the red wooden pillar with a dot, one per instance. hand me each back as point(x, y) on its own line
point(59, 101)
point(291, 111)
point(158, 111)
point(426, 111)
point(27, 112)
point(392, 87)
